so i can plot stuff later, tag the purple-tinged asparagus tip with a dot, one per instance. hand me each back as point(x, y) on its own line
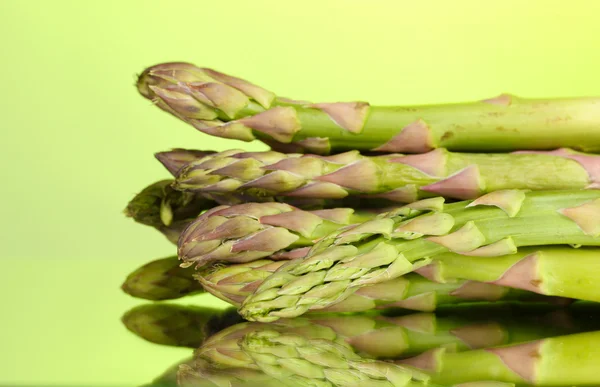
point(177, 158)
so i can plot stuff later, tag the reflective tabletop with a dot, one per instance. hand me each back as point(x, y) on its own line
point(100, 336)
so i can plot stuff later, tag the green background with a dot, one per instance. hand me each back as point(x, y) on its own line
point(78, 141)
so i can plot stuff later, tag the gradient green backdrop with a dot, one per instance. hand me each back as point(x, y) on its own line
point(78, 141)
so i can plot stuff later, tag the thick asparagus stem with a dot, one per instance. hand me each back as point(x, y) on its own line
point(398, 178)
point(570, 360)
point(167, 210)
point(557, 271)
point(162, 279)
point(385, 248)
point(234, 283)
point(225, 106)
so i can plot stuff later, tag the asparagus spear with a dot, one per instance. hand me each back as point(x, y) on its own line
point(562, 272)
point(385, 248)
point(162, 279)
point(200, 373)
point(570, 360)
point(177, 325)
point(298, 353)
point(170, 211)
point(252, 231)
point(175, 159)
point(235, 283)
point(395, 177)
point(377, 335)
point(557, 271)
point(167, 210)
point(229, 107)
point(295, 351)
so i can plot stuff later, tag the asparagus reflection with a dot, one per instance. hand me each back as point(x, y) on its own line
point(509, 344)
point(164, 279)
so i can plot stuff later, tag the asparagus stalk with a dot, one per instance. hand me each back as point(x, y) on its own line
point(162, 279)
point(252, 231)
point(229, 107)
point(297, 359)
point(570, 360)
point(165, 279)
point(170, 211)
point(558, 271)
point(376, 335)
point(177, 325)
point(200, 373)
point(395, 177)
point(295, 352)
point(235, 283)
point(176, 159)
point(167, 210)
point(496, 224)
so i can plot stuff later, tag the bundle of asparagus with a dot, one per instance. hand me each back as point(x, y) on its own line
point(358, 208)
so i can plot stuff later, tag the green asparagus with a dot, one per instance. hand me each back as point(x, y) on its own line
point(570, 360)
point(252, 231)
point(558, 271)
point(500, 347)
point(377, 335)
point(561, 272)
point(235, 283)
point(229, 107)
point(167, 210)
point(177, 325)
point(175, 160)
point(297, 352)
point(392, 245)
point(395, 177)
point(162, 279)
point(200, 373)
